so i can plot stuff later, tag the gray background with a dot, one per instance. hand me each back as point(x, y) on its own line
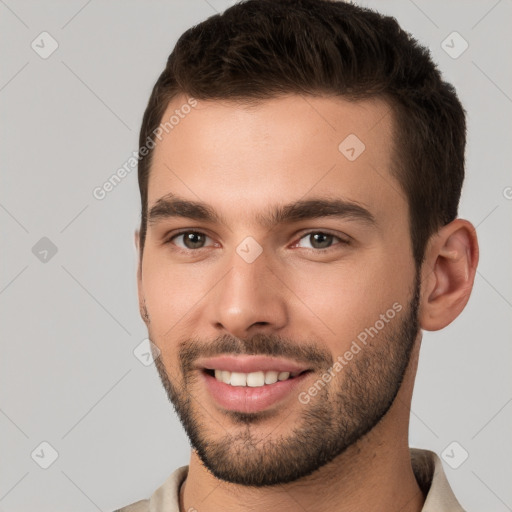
point(70, 321)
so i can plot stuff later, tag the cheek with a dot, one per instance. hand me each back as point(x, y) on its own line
point(335, 301)
point(172, 293)
point(348, 298)
point(171, 290)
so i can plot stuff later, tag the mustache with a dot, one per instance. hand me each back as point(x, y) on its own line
point(259, 344)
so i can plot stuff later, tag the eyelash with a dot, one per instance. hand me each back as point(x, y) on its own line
point(321, 251)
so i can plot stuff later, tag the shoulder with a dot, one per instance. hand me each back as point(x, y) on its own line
point(431, 478)
point(139, 506)
point(163, 499)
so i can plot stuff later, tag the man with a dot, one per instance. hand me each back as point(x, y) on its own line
point(301, 168)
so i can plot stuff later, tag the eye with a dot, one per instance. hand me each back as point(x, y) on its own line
point(320, 240)
point(190, 239)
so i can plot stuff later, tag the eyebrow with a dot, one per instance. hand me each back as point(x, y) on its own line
point(171, 205)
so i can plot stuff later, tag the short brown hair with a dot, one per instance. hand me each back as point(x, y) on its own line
point(261, 49)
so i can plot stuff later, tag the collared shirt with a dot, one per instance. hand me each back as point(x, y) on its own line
point(426, 465)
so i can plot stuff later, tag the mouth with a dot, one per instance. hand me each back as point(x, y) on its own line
point(250, 383)
point(253, 379)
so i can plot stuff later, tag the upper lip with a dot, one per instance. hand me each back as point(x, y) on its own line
point(249, 364)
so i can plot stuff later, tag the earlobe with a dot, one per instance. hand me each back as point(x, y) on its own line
point(448, 274)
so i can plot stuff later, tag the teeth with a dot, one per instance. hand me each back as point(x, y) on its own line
point(238, 379)
point(253, 379)
point(270, 377)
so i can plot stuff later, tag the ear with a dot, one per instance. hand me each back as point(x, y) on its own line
point(140, 292)
point(447, 274)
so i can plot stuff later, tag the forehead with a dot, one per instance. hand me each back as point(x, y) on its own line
point(242, 158)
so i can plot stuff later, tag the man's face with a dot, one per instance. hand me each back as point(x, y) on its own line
point(261, 290)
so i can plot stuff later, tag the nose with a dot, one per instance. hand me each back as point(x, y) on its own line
point(249, 298)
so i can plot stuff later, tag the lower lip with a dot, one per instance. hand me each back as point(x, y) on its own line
point(248, 399)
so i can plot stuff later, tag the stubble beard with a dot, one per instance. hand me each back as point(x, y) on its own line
point(341, 414)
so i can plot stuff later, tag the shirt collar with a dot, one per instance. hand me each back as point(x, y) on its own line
point(429, 473)
point(426, 465)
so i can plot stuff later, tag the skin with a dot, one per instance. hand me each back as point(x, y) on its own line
point(242, 161)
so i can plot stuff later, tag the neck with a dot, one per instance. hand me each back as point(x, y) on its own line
point(373, 474)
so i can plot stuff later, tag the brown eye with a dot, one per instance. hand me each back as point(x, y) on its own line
point(320, 240)
point(191, 240)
